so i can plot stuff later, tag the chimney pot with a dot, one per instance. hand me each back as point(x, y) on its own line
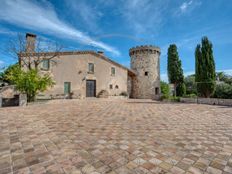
point(30, 35)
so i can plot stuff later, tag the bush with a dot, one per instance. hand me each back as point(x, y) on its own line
point(223, 90)
point(181, 90)
point(191, 87)
point(5, 73)
point(174, 99)
point(164, 97)
point(29, 82)
point(165, 90)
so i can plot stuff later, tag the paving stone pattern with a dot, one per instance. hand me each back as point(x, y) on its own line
point(116, 137)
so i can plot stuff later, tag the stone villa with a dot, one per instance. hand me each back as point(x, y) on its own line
point(92, 74)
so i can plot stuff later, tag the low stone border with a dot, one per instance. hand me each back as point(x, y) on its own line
point(118, 97)
point(210, 101)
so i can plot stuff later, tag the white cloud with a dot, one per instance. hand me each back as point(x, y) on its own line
point(43, 18)
point(88, 13)
point(143, 16)
point(185, 6)
point(226, 71)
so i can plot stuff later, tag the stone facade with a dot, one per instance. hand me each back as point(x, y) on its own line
point(145, 62)
point(72, 68)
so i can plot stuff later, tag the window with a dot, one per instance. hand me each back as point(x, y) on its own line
point(45, 64)
point(116, 87)
point(146, 73)
point(156, 91)
point(111, 86)
point(113, 71)
point(91, 68)
point(67, 87)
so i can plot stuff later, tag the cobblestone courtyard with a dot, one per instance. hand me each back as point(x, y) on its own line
point(116, 137)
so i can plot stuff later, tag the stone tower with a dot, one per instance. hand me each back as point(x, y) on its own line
point(145, 62)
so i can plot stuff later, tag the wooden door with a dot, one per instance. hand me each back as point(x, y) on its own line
point(90, 88)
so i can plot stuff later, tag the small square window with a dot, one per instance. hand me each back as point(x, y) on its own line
point(45, 64)
point(113, 71)
point(116, 87)
point(91, 68)
point(111, 86)
point(146, 73)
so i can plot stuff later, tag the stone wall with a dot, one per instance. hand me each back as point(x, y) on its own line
point(74, 69)
point(210, 101)
point(16, 100)
point(145, 62)
point(8, 91)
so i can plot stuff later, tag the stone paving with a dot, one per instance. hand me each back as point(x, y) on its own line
point(116, 137)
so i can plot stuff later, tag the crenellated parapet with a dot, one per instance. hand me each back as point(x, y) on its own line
point(144, 49)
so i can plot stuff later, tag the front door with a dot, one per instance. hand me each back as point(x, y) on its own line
point(90, 88)
point(67, 87)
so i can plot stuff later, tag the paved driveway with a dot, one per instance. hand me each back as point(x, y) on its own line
point(103, 136)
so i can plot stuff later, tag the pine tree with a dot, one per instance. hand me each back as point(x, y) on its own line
point(205, 68)
point(175, 72)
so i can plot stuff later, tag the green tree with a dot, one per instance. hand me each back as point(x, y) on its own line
point(222, 77)
point(205, 68)
point(190, 84)
point(29, 82)
point(5, 72)
point(223, 90)
point(165, 90)
point(181, 89)
point(175, 72)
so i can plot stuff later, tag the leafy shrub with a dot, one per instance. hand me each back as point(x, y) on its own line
point(223, 90)
point(165, 90)
point(174, 99)
point(191, 87)
point(181, 89)
point(29, 82)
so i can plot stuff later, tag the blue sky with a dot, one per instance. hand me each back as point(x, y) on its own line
point(114, 26)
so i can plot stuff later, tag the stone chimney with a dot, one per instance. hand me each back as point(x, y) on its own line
point(30, 42)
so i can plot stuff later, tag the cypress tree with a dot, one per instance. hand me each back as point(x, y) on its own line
point(175, 72)
point(205, 68)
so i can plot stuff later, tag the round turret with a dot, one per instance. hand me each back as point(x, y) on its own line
point(145, 62)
